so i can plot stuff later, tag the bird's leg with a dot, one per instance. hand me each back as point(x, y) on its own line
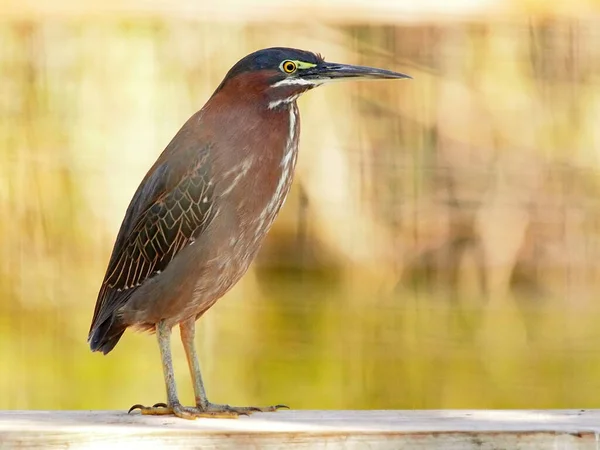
point(163, 332)
point(188, 330)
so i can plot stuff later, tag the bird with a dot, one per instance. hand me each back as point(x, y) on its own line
point(199, 216)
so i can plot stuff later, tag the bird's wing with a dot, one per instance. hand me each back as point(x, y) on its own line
point(172, 206)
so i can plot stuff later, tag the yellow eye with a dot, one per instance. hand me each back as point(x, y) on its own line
point(289, 66)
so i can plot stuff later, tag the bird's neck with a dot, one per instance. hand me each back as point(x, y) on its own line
point(252, 128)
point(256, 148)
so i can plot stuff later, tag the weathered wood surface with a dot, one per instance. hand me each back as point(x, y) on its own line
point(451, 429)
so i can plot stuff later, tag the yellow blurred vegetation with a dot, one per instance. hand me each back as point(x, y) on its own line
point(439, 249)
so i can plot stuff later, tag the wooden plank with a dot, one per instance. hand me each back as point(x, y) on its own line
point(449, 429)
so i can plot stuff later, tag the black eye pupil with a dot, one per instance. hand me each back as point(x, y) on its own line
point(289, 67)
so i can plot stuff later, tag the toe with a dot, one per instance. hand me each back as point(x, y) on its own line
point(183, 413)
point(243, 410)
point(213, 414)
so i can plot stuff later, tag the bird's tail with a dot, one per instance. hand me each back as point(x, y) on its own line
point(105, 336)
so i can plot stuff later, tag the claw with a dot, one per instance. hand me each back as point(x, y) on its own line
point(134, 407)
point(160, 405)
point(142, 407)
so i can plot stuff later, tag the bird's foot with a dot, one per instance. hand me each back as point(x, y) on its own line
point(185, 412)
point(246, 410)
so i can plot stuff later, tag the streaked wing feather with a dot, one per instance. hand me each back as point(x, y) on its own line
point(171, 208)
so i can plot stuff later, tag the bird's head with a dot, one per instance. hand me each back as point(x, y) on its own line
point(281, 74)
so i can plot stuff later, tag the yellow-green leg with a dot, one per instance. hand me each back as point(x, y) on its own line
point(163, 333)
point(188, 330)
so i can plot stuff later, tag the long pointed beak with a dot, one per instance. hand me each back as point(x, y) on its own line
point(333, 71)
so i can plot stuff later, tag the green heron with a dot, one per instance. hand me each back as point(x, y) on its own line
point(199, 216)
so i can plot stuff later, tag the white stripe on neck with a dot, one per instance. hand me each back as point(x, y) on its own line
point(283, 101)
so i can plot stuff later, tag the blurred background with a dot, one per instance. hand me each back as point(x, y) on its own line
point(440, 247)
